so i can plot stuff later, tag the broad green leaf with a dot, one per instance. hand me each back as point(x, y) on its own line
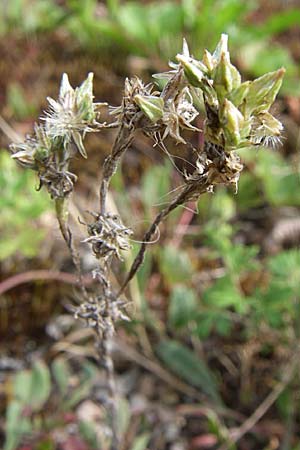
point(78, 394)
point(155, 185)
point(16, 425)
point(224, 294)
point(46, 445)
point(241, 258)
point(183, 306)
point(286, 265)
point(185, 364)
point(123, 416)
point(212, 320)
point(279, 22)
point(61, 373)
point(249, 192)
point(279, 179)
point(175, 264)
point(22, 384)
point(41, 384)
point(89, 433)
point(141, 442)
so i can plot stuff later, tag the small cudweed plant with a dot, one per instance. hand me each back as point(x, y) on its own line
point(237, 116)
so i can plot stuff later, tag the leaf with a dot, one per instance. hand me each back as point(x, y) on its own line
point(132, 17)
point(78, 394)
point(123, 416)
point(183, 306)
point(89, 434)
point(141, 442)
point(32, 387)
point(241, 258)
point(46, 445)
point(155, 184)
point(249, 195)
point(16, 425)
point(61, 373)
point(213, 320)
point(224, 294)
point(40, 385)
point(79, 143)
point(280, 181)
point(286, 265)
point(184, 363)
point(279, 22)
point(22, 383)
point(175, 264)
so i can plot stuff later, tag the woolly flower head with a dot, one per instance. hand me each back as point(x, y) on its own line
point(34, 151)
point(237, 112)
point(73, 115)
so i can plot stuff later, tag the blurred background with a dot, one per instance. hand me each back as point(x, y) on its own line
point(210, 359)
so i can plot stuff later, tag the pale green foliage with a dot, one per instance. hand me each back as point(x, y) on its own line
point(20, 206)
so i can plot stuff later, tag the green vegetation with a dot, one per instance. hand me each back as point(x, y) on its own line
point(216, 304)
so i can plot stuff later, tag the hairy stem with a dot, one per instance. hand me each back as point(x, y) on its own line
point(62, 214)
point(121, 144)
point(106, 359)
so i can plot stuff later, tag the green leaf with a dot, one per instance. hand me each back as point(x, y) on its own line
point(183, 306)
point(155, 185)
point(279, 22)
point(46, 445)
point(32, 387)
point(241, 258)
point(123, 416)
point(286, 266)
point(224, 294)
point(80, 392)
point(184, 363)
point(61, 373)
point(16, 425)
point(89, 434)
point(19, 105)
point(175, 264)
point(212, 320)
point(22, 384)
point(40, 385)
point(141, 442)
point(280, 181)
point(132, 18)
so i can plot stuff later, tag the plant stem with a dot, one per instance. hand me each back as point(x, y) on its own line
point(62, 214)
point(191, 190)
point(105, 357)
point(47, 275)
point(121, 144)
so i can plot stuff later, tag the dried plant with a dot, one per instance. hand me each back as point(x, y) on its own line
point(237, 116)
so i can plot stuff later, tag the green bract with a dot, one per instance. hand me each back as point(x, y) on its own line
point(237, 113)
point(64, 127)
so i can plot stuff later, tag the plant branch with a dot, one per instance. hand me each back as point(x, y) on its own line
point(191, 190)
point(122, 142)
point(62, 214)
point(47, 275)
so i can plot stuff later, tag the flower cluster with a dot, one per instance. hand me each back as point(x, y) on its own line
point(102, 312)
point(237, 112)
point(73, 115)
point(64, 127)
point(108, 236)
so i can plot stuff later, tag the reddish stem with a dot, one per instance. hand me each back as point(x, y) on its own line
point(183, 224)
point(33, 275)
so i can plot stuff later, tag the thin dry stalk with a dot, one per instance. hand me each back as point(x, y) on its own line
point(122, 143)
point(62, 214)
